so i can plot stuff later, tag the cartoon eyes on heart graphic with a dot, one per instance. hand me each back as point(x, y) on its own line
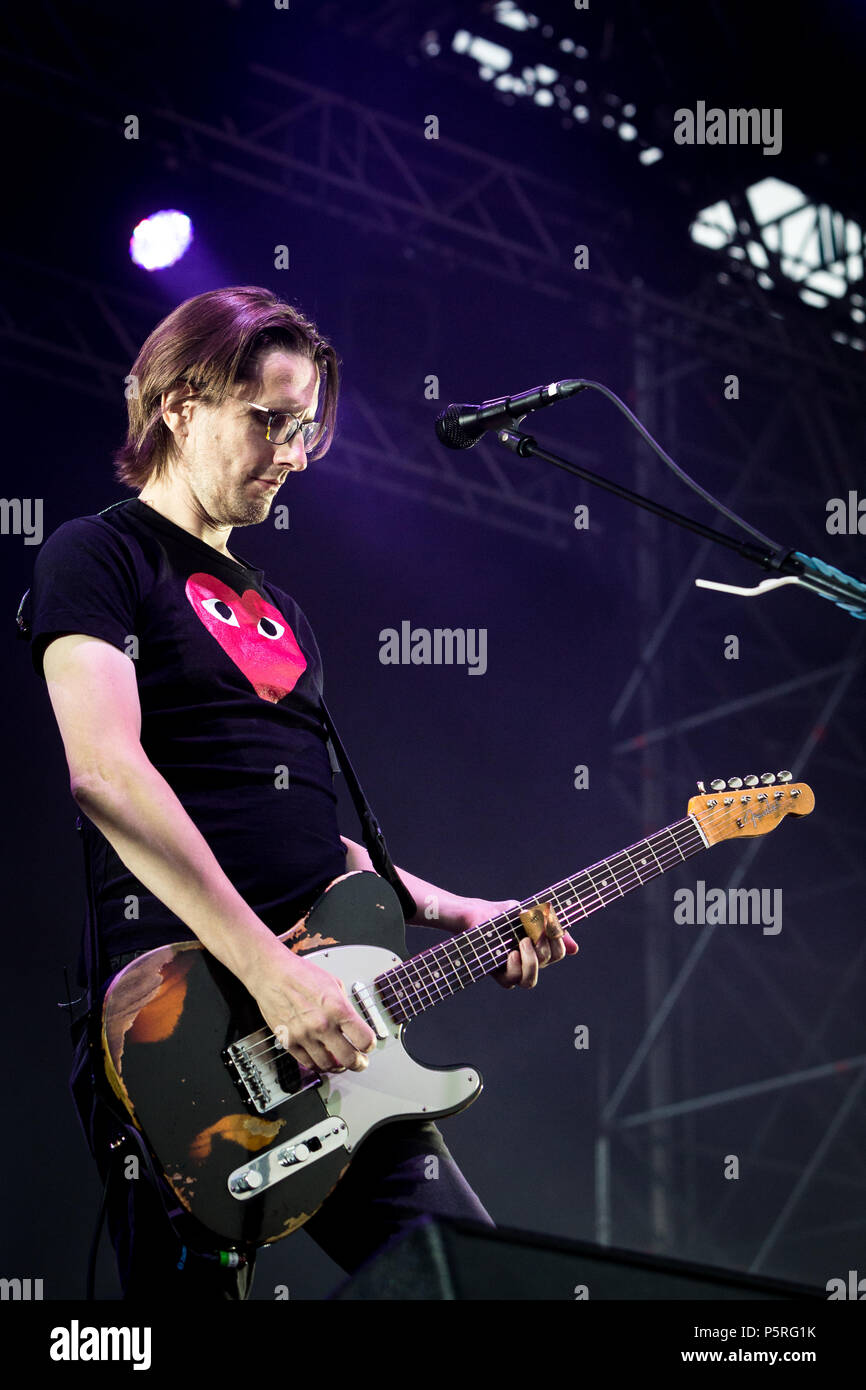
point(254, 634)
point(218, 608)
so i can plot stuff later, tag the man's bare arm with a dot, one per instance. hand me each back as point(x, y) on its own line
point(94, 694)
point(453, 912)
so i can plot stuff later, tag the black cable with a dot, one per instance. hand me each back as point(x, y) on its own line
point(89, 1293)
point(680, 472)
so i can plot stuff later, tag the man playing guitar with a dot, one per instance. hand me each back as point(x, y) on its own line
point(186, 690)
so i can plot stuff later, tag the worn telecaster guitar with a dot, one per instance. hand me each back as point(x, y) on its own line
point(250, 1142)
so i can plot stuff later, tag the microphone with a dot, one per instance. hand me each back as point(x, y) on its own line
point(461, 426)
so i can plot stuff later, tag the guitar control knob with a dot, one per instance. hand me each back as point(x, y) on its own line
point(296, 1153)
point(751, 780)
point(248, 1182)
point(735, 783)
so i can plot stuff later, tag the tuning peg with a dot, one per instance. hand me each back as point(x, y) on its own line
point(751, 780)
point(735, 783)
point(767, 778)
point(784, 776)
point(718, 785)
point(702, 789)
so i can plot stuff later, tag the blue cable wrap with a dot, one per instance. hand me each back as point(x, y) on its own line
point(824, 571)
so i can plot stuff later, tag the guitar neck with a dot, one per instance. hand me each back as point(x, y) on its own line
point(439, 972)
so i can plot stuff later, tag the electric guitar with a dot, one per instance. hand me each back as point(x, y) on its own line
point(251, 1143)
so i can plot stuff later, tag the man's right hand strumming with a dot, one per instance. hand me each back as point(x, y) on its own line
point(309, 1012)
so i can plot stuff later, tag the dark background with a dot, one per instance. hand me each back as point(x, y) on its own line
point(472, 777)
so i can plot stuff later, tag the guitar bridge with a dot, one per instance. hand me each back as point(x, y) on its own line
point(265, 1073)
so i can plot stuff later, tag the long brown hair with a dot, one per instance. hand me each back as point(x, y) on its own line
point(213, 341)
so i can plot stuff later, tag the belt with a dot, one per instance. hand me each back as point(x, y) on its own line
point(116, 963)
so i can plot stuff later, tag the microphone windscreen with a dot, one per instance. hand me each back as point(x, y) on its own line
point(452, 433)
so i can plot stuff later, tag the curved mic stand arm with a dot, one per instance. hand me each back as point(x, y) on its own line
point(792, 566)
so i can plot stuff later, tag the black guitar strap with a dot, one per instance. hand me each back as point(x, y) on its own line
point(370, 828)
point(371, 831)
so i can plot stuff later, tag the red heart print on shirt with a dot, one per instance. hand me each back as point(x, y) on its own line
point(252, 632)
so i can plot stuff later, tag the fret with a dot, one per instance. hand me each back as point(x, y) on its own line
point(603, 880)
point(498, 941)
point(645, 865)
point(693, 837)
point(669, 831)
point(664, 840)
point(462, 972)
point(557, 898)
point(651, 847)
point(402, 991)
point(571, 903)
point(437, 971)
point(420, 982)
point(623, 868)
point(433, 970)
point(598, 880)
point(469, 939)
point(627, 870)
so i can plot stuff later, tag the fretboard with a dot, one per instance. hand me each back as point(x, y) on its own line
point(417, 984)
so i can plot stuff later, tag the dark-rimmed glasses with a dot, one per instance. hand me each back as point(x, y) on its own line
point(282, 426)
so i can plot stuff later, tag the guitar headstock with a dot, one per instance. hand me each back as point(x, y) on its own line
point(749, 805)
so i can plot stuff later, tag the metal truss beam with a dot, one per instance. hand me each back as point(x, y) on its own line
point(367, 166)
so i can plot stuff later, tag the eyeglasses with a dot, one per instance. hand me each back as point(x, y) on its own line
point(282, 426)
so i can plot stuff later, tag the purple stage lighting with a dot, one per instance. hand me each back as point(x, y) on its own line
point(160, 240)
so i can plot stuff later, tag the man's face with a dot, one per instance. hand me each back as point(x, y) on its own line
point(226, 466)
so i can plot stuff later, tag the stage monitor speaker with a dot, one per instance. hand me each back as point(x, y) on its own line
point(449, 1259)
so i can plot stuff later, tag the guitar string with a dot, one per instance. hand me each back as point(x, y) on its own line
point(568, 914)
point(577, 907)
point(508, 920)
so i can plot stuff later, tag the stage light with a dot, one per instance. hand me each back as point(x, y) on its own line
point(757, 254)
point(513, 17)
point(814, 246)
point(503, 67)
point(160, 240)
point(827, 283)
point(491, 57)
point(650, 156)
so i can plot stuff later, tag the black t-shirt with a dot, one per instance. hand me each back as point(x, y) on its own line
point(229, 680)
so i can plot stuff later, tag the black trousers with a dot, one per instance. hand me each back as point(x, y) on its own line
point(402, 1171)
